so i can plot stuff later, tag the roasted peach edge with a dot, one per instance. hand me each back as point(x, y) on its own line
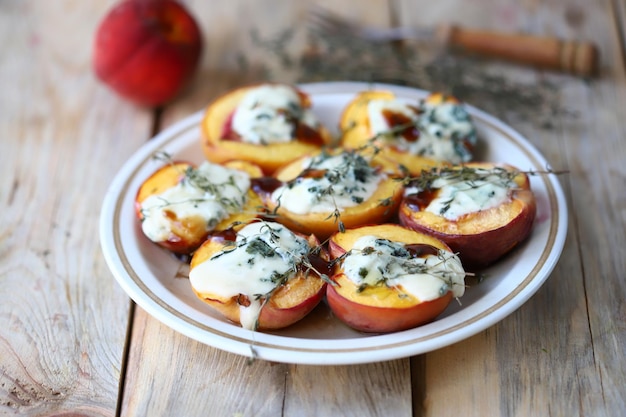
point(484, 237)
point(269, 157)
point(355, 128)
point(183, 241)
point(288, 305)
point(361, 313)
point(482, 248)
point(380, 207)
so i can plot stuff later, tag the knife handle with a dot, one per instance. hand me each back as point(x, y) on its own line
point(578, 58)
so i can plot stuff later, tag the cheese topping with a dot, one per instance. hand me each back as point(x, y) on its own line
point(375, 261)
point(445, 130)
point(376, 109)
point(329, 183)
point(211, 192)
point(270, 114)
point(265, 256)
point(457, 196)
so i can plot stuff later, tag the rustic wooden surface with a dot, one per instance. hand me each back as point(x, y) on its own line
point(73, 344)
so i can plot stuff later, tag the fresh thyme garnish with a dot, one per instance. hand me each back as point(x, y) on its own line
point(336, 215)
point(326, 182)
point(198, 189)
point(467, 174)
point(253, 355)
point(163, 156)
point(441, 128)
point(449, 190)
point(399, 262)
point(386, 202)
point(269, 243)
point(338, 260)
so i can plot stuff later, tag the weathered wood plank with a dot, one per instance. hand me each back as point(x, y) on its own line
point(213, 380)
point(511, 369)
point(221, 381)
point(596, 153)
point(169, 374)
point(63, 138)
point(378, 389)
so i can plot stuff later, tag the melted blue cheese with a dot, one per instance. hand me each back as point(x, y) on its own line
point(375, 261)
point(444, 128)
point(269, 114)
point(265, 255)
point(348, 180)
point(211, 192)
point(379, 123)
point(456, 198)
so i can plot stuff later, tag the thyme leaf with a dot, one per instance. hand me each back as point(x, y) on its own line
point(345, 178)
point(466, 174)
point(398, 261)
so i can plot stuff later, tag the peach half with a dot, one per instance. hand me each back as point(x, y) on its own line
point(186, 233)
point(382, 308)
point(291, 301)
point(378, 207)
point(220, 143)
point(357, 133)
point(483, 236)
point(436, 131)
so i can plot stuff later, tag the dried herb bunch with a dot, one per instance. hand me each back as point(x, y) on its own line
point(338, 56)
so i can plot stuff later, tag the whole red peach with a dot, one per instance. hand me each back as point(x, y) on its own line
point(146, 50)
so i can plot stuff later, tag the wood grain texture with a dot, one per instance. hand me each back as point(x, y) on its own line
point(573, 57)
point(215, 380)
point(560, 353)
point(62, 141)
point(377, 389)
point(205, 381)
point(64, 321)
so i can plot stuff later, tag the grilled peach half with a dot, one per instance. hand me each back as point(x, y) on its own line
point(384, 308)
point(437, 131)
point(221, 143)
point(480, 237)
point(356, 133)
point(188, 232)
point(292, 300)
point(380, 206)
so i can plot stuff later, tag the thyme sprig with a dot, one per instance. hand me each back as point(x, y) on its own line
point(202, 182)
point(163, 156)
point(356, 163)
point(196, 179)
point(297, 259)
point(470, 175)
point(402, 260)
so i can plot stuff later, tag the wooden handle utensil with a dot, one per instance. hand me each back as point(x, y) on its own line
point(578, 58)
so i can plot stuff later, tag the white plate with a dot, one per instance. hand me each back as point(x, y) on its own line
point(149, 275)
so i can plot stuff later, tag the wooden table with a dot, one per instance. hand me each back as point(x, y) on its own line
point(73, 344)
